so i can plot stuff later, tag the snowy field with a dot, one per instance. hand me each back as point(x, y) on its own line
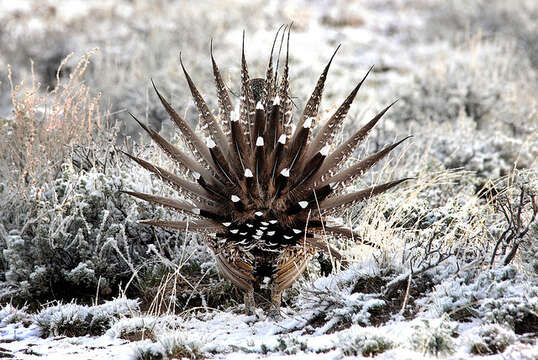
point(456, 272)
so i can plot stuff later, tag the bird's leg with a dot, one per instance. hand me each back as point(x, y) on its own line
point(249, 301)
point(276, 299)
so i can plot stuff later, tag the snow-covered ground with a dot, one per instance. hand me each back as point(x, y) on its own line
point(466, 77)
point(308, 331)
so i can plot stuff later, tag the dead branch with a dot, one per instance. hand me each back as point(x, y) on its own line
point(517, 226)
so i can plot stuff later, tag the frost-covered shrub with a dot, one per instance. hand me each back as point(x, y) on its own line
point(286, 344)
point(143, 327)
point(435, 219)
point(10, 314)
point(434, 336)
point(147, 350)
point(75, 320)
point(335, 301)
point(503, 295)
point(76, 235)
point(515, 200)
point(489, 339)
point(477, 81)
point(81, 236)
point(179, 344)
point(134, 328)
point(490, 154)
point(367, 342)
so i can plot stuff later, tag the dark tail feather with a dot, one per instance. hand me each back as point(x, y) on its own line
point(197, 147)
point(177, 205)
point(344, 201)
point(173, 152)
point(339, 231)
point(222, 165)
point(259, 125)
point(225, 104)
point(312, 106)
point(261, 164)
point(239, 146)
point(275, 159)
point(336, 159)
point(310, 170)
point(187, 188)
point(203, 226)
point(311, 200)
point(209, 123)
point(294, 157)
point(216, 192)
point(273, 129)
point(347, 176)
point(326, 134)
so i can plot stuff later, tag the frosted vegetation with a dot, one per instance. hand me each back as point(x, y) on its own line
point(456, 274)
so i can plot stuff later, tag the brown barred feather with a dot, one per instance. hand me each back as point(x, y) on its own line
point(246, 106)
point(333, 125)
point(178, 205)
point(338, 203)
point(283, 92)
point(195, 145)
point(312, 106)
point(185, 162)
point(208, 122)
point(350, 174)
point(204, 226)
point(344, 151)
point(225, 104)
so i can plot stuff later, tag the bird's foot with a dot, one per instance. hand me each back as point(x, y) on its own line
point(274, 314)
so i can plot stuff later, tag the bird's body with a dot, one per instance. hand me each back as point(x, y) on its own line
point(259, 188)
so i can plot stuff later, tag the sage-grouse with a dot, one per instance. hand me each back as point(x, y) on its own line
point(258, 185)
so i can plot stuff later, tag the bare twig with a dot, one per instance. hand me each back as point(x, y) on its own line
point(516, 227)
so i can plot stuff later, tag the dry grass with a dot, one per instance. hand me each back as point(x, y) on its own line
point(44, 126)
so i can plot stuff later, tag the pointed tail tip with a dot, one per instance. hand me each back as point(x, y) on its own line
point(181, 63)
point(134, 117)
point(289, 30)
point(334, 54)
point(402, 140)
point(406, 179)
point(155, 87)
point(395, 101)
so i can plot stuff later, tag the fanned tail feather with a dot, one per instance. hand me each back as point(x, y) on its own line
point(350, 174)
point(327, 132)
point(187, 163)
point(202, 226)
point(225, 104)
point(344, 151)
point(337, 203)
point(196, 146)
